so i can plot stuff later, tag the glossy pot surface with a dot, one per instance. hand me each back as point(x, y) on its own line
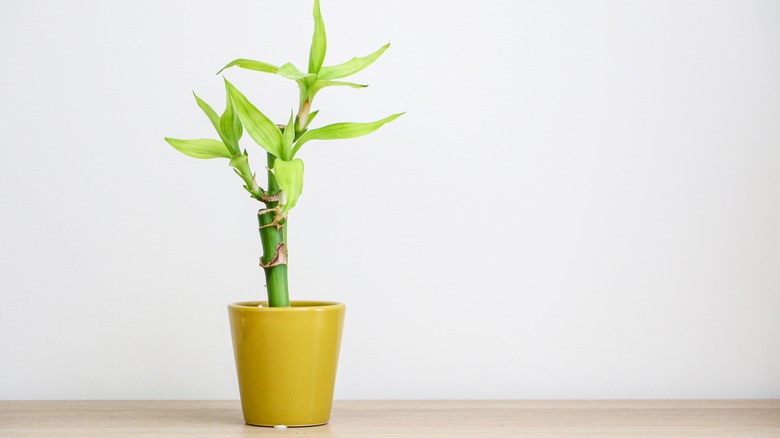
point(286, 359)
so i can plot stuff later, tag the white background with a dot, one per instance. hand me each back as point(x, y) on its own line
point(583, 200)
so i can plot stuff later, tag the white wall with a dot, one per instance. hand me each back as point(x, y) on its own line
point(583, 200)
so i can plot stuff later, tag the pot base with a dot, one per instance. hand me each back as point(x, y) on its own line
point(285, 426)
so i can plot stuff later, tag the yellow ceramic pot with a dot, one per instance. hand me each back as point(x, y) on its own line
point(286, 359)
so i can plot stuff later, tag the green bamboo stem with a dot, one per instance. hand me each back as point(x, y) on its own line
point(272, 237)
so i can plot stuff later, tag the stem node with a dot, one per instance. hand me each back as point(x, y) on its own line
point(280, 257)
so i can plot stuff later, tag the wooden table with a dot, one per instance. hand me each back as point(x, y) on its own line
point(368, 419)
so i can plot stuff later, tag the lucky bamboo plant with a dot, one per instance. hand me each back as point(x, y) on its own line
point(281, 143)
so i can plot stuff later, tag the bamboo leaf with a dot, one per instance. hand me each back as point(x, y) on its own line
point(209, 111)
point(262, 130)
point(288, 137)
point(319, 42)
point(312, 115)
point(342, 130)
point(352, 66)
point(230, 127)
point(203, 148)
point(238, 128)
point(318, 85)
point(289, 175)
point(251, 65)
point(290, 71)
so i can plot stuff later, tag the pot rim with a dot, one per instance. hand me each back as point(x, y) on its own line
point(297, 306)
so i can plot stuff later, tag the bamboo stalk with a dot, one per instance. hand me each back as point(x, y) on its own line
point(274, 260)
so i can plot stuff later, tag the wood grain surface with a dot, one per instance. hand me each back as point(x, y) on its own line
point(452, 418)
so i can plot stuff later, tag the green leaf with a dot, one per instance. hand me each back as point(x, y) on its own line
point(251, 65)
point(216, 121)
point(237, 127)
point(262, 130)
point(288, 137)
point(291, 72)
point(312, 115)
point(319, 42)
point(319, 85)
point(289, 175)
point(342, 130)
point(210, 113)
point(350, 67)
point(201, 148)
point(230, 127)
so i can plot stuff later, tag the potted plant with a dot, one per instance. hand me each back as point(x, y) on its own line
point(286, 351)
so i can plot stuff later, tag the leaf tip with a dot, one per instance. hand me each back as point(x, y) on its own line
point(229, 64)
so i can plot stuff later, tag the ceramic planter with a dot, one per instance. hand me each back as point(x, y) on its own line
point(286, 359)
